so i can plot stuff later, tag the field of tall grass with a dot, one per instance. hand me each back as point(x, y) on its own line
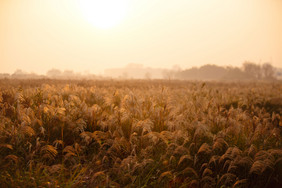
point(140, 134)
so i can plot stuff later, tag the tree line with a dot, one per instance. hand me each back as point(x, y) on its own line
point(249, 71)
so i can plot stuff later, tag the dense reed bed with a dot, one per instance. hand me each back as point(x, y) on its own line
point(140, 134)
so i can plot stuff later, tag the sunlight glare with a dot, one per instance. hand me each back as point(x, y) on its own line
point(104, 13)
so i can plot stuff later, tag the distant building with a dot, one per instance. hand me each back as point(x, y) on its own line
point(134, 71)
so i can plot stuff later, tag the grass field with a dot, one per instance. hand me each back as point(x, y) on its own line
point(140, 134)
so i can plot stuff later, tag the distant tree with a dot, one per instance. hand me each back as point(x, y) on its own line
point(188, 74)
point(268, 71)
point(211, 72)
point(54, 73)
point(168, 74)
point(148, 76)
point(124, 75)
point(176, 68)
point(4, 75)
point(19, 72)
point(68, 74)
point(235, 73)
point(252, 70)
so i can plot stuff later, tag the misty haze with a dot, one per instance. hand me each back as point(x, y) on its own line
point(128, 93)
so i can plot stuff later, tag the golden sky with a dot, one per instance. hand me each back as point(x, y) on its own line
point(37, 35)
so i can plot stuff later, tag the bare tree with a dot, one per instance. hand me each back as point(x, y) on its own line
point(268, 71)
point(148, 75)
point(253, 70)
point(168, 74)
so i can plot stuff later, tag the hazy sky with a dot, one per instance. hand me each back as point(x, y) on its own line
point(37, 35)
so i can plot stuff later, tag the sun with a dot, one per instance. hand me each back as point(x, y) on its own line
point(104, 13)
